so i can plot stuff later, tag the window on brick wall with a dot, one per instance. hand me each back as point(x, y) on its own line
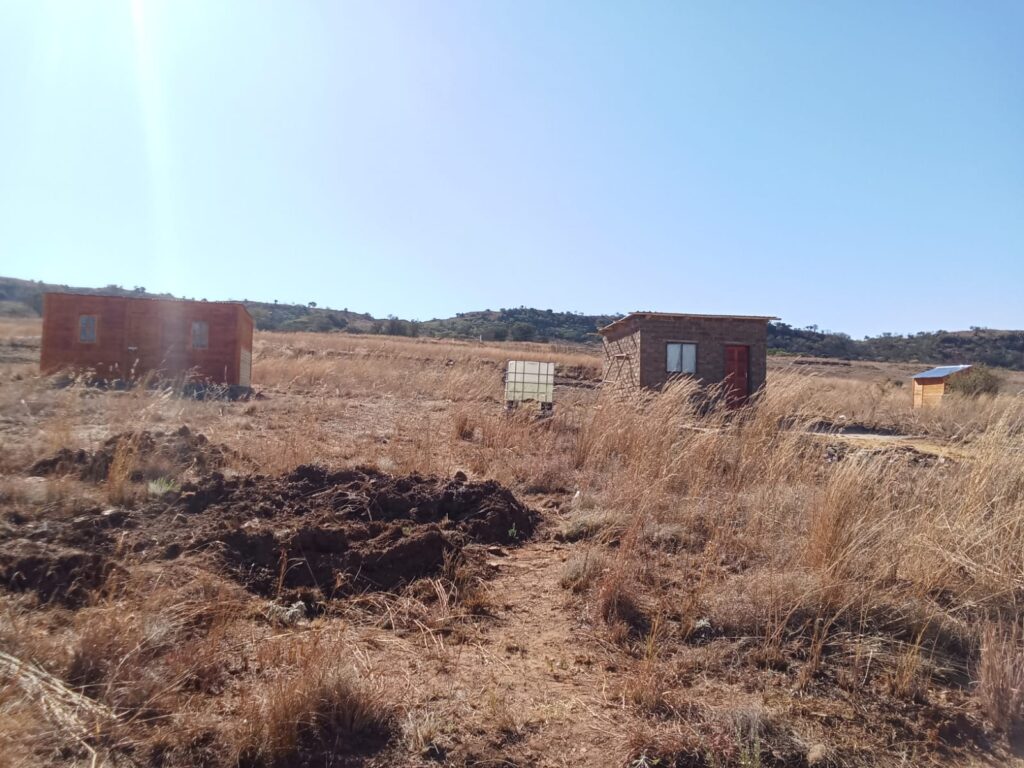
point(680, 357)
point(87, 329)
point(200, 334)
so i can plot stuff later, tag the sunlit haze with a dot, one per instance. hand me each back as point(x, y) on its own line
point(859, 166)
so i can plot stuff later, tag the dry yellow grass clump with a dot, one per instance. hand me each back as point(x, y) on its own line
point(708, 586)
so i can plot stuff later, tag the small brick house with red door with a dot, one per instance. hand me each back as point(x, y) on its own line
point(127, 337)
point(648, 349)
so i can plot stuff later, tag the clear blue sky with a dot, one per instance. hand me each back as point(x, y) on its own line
point(857, 165)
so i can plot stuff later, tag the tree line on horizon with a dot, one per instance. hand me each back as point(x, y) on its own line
point(1004, 349)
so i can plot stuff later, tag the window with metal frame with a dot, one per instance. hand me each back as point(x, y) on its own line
point(681, 357)
point(87, 329)
point(200, 334)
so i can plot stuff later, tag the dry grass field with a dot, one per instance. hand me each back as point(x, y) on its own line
point(374, 564)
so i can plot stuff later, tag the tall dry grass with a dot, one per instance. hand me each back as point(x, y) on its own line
point(308, 699)
point(695, 519)
point(396, 347)
point(377, 366)
point(920, 560)
point(1001, 676)
point(21, 328)
point(957, 528)
point(887, 404)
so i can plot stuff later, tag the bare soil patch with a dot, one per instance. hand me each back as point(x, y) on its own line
point(154, 455)
point(354, 530)
point(310, 534)
point(54, 572)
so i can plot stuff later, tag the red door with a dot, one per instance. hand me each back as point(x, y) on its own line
point(737, 374)
point(141, 343)
point(174, 340)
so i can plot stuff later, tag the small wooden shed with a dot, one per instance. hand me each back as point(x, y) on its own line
point(127, 337)
point(647, 349)
point(930, 386)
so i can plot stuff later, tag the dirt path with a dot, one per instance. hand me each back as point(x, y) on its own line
point(530, 687)
point(557, 680)
point(920, 443)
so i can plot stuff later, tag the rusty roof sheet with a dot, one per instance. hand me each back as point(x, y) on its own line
point(612, 325)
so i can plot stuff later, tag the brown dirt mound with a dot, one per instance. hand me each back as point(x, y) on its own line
point(351, 530)
point(156, 454)
point(306, 534)
point(54, 572)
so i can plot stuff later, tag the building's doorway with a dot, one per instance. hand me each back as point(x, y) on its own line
point(174, 337)
point(737, 374)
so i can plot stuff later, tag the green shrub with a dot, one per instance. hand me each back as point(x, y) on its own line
point(523, 332)
point(977, 380)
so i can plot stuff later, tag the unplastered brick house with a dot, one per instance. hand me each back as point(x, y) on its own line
point(648, 349)
point(126, 337)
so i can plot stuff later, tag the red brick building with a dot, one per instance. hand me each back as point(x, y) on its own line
point(647, 349)
point(124, 337)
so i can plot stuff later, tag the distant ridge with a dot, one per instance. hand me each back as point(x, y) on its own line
point(1005, 349)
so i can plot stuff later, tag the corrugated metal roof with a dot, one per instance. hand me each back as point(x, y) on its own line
point(941, 372)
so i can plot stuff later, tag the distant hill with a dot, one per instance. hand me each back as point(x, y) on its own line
point(24, 298)
point(1005, 349)
point(521, 324)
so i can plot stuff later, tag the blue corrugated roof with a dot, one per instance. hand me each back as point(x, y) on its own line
point(942, 372)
